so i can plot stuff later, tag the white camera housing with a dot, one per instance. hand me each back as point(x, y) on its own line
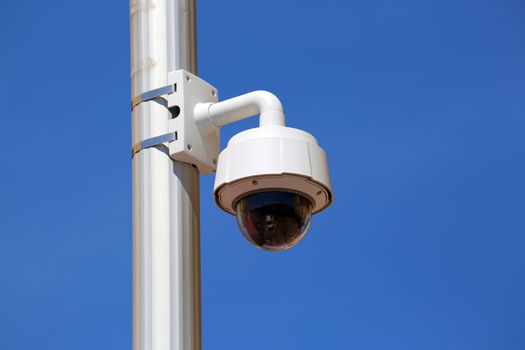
point(271, 158)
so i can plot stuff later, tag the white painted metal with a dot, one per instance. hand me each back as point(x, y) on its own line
point(195, 144)
point(166, 261)
point(264, 103)
point(270, 158)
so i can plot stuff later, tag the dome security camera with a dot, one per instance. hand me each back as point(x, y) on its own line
point(272, 178)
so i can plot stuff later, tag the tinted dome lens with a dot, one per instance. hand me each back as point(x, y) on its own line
point(274, 220)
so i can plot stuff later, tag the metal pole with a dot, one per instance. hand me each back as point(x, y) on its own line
point(166, 247)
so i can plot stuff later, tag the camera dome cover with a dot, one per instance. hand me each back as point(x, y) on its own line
point(274, 220)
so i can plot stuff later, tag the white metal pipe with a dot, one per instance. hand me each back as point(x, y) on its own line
point(264, 103)
point(182, 36)
point(166, 258)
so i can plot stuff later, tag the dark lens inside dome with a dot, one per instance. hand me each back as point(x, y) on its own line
point(274, 220)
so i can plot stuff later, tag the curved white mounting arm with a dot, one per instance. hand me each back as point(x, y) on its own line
point(264, 103)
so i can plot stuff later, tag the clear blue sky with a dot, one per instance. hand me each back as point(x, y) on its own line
point(419, 104)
